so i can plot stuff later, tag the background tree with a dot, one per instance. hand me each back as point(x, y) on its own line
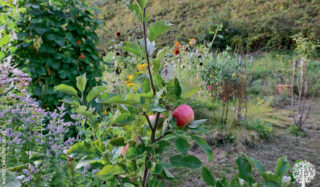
point(57, 43)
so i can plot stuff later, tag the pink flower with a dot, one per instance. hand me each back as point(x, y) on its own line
point(209, 87)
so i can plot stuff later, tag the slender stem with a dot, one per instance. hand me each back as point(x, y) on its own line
point(214, 37)
point(145, 172)
point(146, 50)
point(120, 181)
point(148, 120)
point(153, 134)
point(162, 136)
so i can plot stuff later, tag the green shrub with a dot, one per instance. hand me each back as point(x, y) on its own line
point(56, 43)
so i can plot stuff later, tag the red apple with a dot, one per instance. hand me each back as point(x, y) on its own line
point(183, 115)
point(124, 150)
point(153, 116)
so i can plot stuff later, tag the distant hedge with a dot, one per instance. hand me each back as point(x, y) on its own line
point(249, 25)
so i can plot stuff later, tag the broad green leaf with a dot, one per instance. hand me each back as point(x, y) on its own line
point(71, 101)
point(10, 179)
point(189, 92)
point(81, 82)
point(235, 182)
point(117, 141)
point(123, 119)
point(82, 148)
point(182, 145)
point(272, 180)
point(66, 89)
point(111, 170)
point(142, 3)
point(174, 87)
point(188, 161)
point(157, 61)
point(244, 168)
point(5, 40)
point(257, 164)
point(157, 170)
point(133, 7)
point(204, 146)
point(167, 173)
point(132, 99)
point(128, 185)
point(133, 48)
point(94, 92)
point(109, 98)
point(195, 124)
point(156, 29)
point(147, 95)
point(207, 177)
point(283, 166)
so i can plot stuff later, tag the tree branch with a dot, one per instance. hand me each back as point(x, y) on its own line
point(146, 50)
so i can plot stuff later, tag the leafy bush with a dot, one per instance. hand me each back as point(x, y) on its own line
point(56, 43)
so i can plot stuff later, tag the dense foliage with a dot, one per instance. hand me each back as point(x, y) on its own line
point(56, 43)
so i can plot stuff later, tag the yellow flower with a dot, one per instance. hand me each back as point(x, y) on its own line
point(105, 112)
point(142, 66)
point(192, 42)
point(130, 77)
point(132, 85)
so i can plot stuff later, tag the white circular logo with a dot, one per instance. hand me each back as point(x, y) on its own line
point(303, 172)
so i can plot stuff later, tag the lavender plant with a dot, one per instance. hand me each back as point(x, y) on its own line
point(34, 139)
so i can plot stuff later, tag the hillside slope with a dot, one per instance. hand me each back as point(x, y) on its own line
point(248, 24)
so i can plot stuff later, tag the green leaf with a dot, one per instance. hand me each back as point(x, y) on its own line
point(124, 119)
point(235, 182)
point(132, 99)
point(71, 101)
point(133, 48)
point(111, 170)
point(174, 87)
point(81, 82)
point(94, 92)
point(117, 142)
point(244, 169)
point(186, 93)
point(188, 161)
point(182, 145)
point(157, 61)
point(66, 89)
point(128, 185)
point(142, 3)
point(5, 40)
point(207, 177)
point(204, 146)
point(109, 98)
point(10, 179)
point(195, 124)
point(147, 95)
point(258, 165)
point(156, 29)
point(137, 11)
point(82, 148)
point(157, 170)
point(283, 166)
point(272, 180)
point(167, 173)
